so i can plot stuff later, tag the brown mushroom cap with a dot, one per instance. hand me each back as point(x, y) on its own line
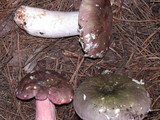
point(95, 21)
point(111, 97)
point(43, 85)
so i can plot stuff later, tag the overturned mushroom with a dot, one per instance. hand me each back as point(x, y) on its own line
point(94, 19)
point(49, 88)
point(111, 97)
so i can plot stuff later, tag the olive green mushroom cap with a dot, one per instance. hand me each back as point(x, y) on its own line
point(111, 97)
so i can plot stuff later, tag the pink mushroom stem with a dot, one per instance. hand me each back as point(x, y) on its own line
point(45, 23)
point(45, 110)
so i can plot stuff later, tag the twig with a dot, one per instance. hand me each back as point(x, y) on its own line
point(137, 21)
point(74, 82)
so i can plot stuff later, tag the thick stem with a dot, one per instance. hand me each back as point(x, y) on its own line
point(45, 110)
point(44, 23)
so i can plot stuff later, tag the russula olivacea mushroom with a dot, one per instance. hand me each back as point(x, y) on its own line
point(93, 23)
point(49, 88)
point(111, 97)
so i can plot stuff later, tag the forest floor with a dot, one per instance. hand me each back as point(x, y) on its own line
point(134, 52)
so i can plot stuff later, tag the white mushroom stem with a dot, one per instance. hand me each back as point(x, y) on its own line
point(45, 110)
point(44, 23)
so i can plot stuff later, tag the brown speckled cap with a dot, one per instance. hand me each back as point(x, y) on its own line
point(95, 21)
point(43, 85)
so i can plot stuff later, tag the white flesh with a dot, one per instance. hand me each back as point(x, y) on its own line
point(44, 23)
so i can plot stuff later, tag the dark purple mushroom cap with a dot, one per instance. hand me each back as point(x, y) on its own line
point(43, 85)
point(95, 21)
point(111, 97)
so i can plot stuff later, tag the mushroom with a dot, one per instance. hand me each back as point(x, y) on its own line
point(93, 23)
point(49, 88)
point(95, 20)
point(111, 97)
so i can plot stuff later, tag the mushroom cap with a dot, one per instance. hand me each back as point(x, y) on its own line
point(111, 97)
point(43, 85)
point(95, 21)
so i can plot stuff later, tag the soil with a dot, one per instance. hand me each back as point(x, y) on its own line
point(134, 52)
